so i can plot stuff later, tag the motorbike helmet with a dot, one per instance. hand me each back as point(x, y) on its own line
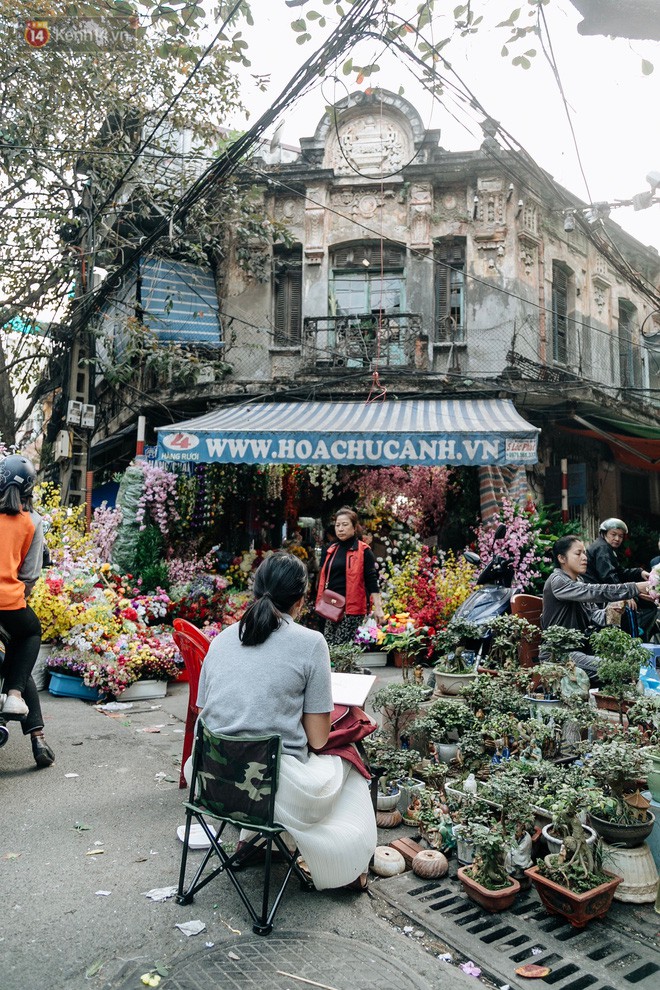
point(613, 523)
point(19, 471)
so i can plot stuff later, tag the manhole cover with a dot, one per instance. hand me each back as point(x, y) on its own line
point(598, 957)
point(327, 960)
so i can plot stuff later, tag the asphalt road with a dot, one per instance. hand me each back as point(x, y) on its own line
point(84, 839)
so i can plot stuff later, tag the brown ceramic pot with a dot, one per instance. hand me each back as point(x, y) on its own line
point(491, 900)
point(578, 909)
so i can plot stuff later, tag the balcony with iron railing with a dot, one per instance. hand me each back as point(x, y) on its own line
point(362, 341)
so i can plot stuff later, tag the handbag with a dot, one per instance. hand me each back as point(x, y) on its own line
point(331, 605)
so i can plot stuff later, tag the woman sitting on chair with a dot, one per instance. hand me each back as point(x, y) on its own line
point(569, 602)
point(267, 675)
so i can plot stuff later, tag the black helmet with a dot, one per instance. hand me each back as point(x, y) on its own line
point(17, 470)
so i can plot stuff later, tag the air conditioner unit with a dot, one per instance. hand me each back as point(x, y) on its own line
point(62, 446)
point(73, 412)
point(88, 416)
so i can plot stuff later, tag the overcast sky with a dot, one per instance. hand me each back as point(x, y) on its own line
point(615, 108)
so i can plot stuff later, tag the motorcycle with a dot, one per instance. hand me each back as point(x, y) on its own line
point(491, 596)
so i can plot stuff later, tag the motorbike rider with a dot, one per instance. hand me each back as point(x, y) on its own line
point(21, 560)
point(570, 602)
point(604, 567)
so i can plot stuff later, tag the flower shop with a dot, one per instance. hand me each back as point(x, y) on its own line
point(514, 769)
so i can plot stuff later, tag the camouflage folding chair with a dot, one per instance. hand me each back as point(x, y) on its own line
point(234, 780)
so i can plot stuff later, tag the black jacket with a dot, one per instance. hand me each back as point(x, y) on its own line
point(603, 565)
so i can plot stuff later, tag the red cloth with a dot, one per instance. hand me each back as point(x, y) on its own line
point(348, 726)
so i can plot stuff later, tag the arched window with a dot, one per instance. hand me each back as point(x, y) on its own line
point(367, 280)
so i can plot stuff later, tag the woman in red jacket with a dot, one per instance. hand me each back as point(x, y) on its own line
point(349, 568)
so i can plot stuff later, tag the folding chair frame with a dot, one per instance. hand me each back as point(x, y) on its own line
point(233, 863)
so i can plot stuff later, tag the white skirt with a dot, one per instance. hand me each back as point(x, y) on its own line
point(325, 805)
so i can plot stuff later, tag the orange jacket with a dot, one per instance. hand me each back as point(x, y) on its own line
point(21, 557)
point(356, 592)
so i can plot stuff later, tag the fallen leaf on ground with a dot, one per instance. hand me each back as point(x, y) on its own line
point(533, 972)
point(232, 955)
point(94, 969)
point(11, 855)
point(191, 928)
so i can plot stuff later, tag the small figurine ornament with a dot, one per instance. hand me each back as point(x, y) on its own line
point(418, 673)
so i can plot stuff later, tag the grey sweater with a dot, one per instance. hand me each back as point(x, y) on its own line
point(572, 604)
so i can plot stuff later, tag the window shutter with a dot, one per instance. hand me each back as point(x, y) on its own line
point(449, 290)
point(559, 313)
point(287, 286)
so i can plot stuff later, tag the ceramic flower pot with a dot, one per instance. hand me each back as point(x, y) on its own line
point(578, 909)
point(446, 751)
point(464, 849)
point(638, 870)
point(452, 683)
point(387, 802)
point(491, 900)
point(554, 843)
point(627, 836)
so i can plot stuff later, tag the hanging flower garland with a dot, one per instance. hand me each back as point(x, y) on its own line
point(325, 477)
point(158, 498)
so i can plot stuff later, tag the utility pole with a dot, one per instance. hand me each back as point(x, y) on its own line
point(73, 442)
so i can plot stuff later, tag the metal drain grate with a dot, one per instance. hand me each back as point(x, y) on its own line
point(599, 957)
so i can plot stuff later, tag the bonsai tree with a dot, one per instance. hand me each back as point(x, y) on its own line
point(645, 715)
point(450, 645)
point(621, 658)
point(616, 766)
point(558, 643)
point(398, 705)
point(388, 763)
point(503, 693)
point(548, 678)
point(441, 719)
point(344, 658)
point(491, 846)
point(507, 633)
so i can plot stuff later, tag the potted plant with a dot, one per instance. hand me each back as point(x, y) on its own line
point(568, 803)
point(645, 715)
point(507, 633)
point(344, 658)
point(398, 705)
point(618, 671)
point(456, 665)
point(487, 880)
point(440, 727)
point(392, 766)
point(70, 678)
point(471, 810)
point(617, 766)
point(572, 883)
point(370, 638)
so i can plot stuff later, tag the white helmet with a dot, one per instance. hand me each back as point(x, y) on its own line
point(613, 523)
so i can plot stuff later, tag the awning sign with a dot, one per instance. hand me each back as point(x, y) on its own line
point(410, 432)
point(340, 449)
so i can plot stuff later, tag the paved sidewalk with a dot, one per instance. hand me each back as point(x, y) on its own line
point(83, 840)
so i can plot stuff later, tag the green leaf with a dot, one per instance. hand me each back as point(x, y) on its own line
point(299, 25)
point(312, 15)
point(347, 67)
point(504, 52)
point(93, 969)
point(647, 67)
point(531, 52)
point(302, 39)
point(459, 11)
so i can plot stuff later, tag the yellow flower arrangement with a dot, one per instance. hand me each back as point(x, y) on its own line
point(55, 610)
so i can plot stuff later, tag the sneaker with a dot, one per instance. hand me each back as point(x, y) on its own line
point(43, 754)
point(15, 706)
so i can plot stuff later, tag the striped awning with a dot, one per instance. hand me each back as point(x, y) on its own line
point(409, 432)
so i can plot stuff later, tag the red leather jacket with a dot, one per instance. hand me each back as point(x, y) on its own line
point(356, 592)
